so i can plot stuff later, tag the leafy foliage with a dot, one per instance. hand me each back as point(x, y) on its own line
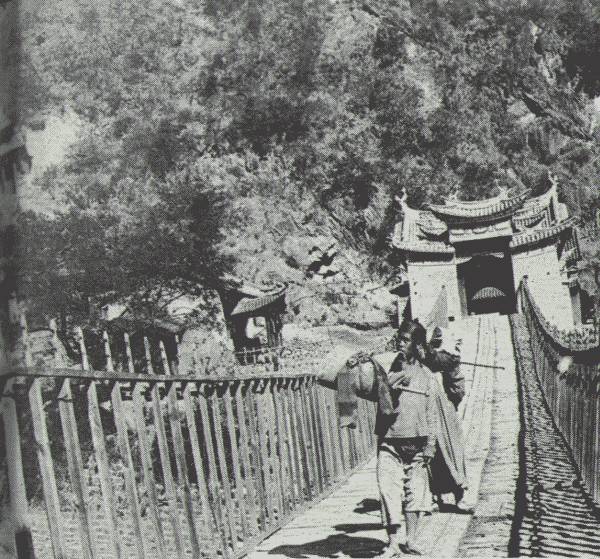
point(222, 136)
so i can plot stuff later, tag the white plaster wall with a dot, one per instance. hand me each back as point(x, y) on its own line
point(426, 281)
point(542, 268)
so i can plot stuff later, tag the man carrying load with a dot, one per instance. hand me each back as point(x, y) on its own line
point(406, 428)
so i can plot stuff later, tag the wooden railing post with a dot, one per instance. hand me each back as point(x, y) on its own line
point(19, 508)
point(125, 450)
point(180, 459)
point(165, 461)
point(74, 457)
point(42, 440)
point(139, 405)
point(100, 454)
point(16, 482)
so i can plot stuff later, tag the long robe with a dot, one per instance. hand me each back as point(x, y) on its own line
point(448, 468)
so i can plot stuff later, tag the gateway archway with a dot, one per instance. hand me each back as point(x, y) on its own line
point(486, 284)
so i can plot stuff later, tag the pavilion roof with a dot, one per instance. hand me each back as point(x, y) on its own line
point(256, 304)
point(534, 236)
point(537, 211)
point(410, 236)
point(524, 221)
point(479, 232)
point(479, 211)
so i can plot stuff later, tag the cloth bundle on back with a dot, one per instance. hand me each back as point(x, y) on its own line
point(355, 375)
point(361, 375)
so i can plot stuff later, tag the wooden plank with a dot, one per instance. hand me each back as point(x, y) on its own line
point(282, 454)
point(42, 444)
point(211, 506)
point(75, 467)
point(297, 473)
point(165, 460)
point(303, 440)
point(596, 487)
point(256, 454)
point(334, 466)
point(222, 462)
point(591, 433)
point(330, 427)
point(319, 431)
point(180, 459)
point(100, 454)
point(327, 447)
point(278, 451)
point(248, 476)
point(271, 436)
point(213, 479)
point(236, 461)
point(139, 405)
point(125, 452)
point(19, 508)
point(334, 430)
point(314, 434)
point(77, 475)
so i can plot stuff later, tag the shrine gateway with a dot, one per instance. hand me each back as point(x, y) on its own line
point(479, 252)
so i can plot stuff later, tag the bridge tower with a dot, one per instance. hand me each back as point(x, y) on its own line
point(480, 251)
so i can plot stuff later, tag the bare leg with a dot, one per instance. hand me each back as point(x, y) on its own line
point(393, 548)
point(412, 527)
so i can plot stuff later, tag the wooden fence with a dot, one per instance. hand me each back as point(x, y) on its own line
point(117, 463)
point(572, 391)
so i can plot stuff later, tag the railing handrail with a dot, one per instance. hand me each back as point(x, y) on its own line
point(569, 341)
point(567, 370)
point(244, 449)
point(103, 375)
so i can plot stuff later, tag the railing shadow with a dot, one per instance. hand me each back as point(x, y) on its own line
point(332, 547)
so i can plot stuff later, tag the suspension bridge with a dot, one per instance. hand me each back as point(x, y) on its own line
point(127, 456)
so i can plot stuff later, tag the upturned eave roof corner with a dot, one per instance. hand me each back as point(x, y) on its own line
point(533, 237)
point(499, 207)
point(409, 235)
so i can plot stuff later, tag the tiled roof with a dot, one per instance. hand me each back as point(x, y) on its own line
point(490, 231)
point(480, 210)
point(536, 211)
point(533, 236)
point(431, 225)
point(537, 204)
point(408, 235)
point(542, 219)
point(255, 304)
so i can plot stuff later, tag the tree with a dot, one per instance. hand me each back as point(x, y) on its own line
point(208, 125)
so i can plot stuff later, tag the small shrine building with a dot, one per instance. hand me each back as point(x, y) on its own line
point(254, 317)
point(480, 251)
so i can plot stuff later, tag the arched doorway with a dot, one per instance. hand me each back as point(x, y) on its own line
point(486, 283)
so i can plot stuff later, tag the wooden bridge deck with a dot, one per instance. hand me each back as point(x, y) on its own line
point(348, 523)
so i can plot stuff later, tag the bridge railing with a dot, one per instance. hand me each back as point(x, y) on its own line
point(567, 364)
point(116, 463)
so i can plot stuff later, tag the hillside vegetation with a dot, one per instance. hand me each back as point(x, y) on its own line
point(234, 136)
